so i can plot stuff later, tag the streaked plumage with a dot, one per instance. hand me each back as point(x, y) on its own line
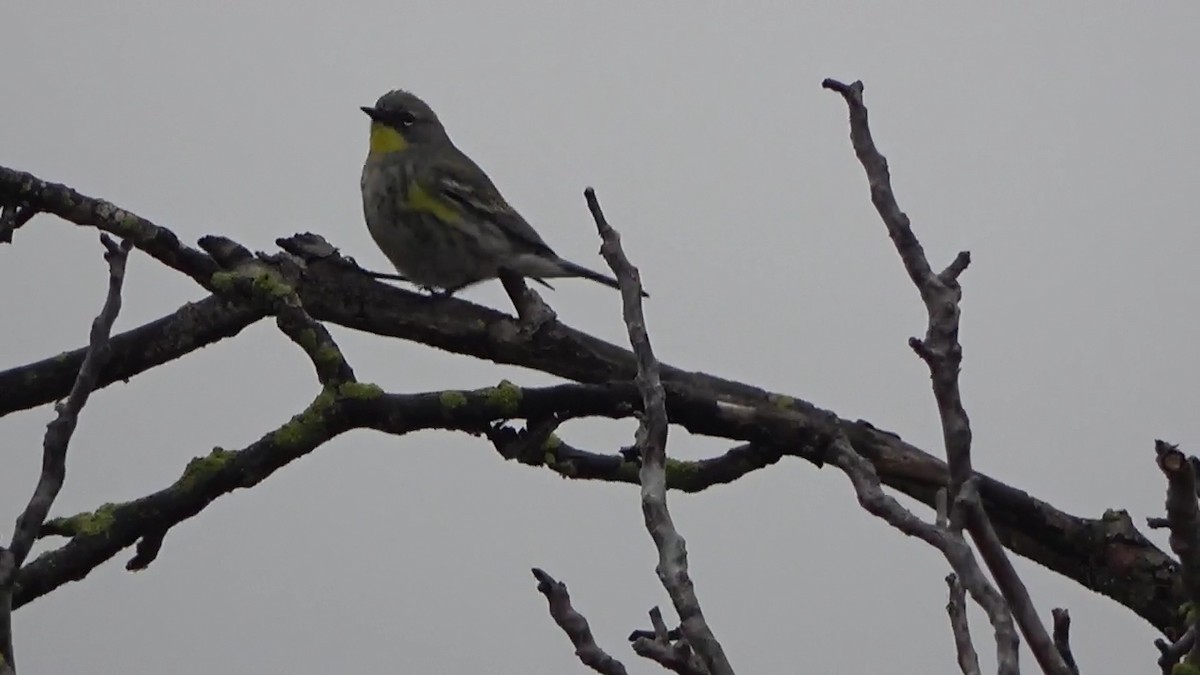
point(434, 212)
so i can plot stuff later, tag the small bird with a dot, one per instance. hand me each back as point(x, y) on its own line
point(436, 215)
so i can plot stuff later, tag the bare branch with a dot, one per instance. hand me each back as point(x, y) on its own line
point(666, 647)
point(968, 660)
point(55, 442)
point(18, 187)
point(12, 217)
point(942, 352)
point(1062, 637)
point(1183, 517)
point(193, 326)
point(652, 440)
point(1106, 554)
point(575, 626)
point(266, 287)
point(1171, 652)
point(59, 431)
point(948, 540)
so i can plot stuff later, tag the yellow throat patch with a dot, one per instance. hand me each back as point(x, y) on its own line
point(385, 139)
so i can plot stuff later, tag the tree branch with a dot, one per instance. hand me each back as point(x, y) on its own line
point(1062, 637)
point(946, 539)
point(264, 286)
point(12, 217)
point(575, 626)
point(193, 326)
point(956, 607)
point(941, 351)
point(54, 446)
point(652, 441)
point(1106, 554)
point(18, 187)
point(1183, 517)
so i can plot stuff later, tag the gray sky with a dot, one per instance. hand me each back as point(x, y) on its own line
point(1056, 143)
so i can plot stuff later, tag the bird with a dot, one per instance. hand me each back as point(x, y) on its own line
point(436, 215)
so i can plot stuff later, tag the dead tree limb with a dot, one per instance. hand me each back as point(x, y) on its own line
point(54, 446)
point(672, 566)
point(942, 353)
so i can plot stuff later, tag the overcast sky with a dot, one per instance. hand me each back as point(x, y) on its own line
point(1057, 144)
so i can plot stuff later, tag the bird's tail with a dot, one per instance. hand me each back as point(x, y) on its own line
point(580, 271)
point(545, 268)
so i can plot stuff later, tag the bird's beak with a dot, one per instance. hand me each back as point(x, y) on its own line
point(371, 112)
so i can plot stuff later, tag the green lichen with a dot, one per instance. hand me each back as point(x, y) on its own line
point(452, 399)
point(504, 398)
point(88, 524)
point(62, 358)
point(679, 470)
point(269, 286)
point(300, 431)
point(307, 339)
point(1185, 668)
point(363, 391)
point(1188, 611)
point(202, 468)
point(223, 282)
point(628, 472)
point(780, 401)
point(328, 355)
point(264, 283)
point(550, 449)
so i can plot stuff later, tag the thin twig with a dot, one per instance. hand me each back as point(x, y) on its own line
point(1171, 652)
point(942, 353)
point(55, 442)
point(1062, 637)
point(948, 540)
point(956, 607)
point(575, 625)
point(666, 647)
point(652, 440)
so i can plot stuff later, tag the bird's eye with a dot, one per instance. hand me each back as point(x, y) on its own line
point(405, 118)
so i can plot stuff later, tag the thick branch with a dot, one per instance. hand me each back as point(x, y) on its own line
point(193, 326)
point(1183, 517)
point(575, 626)
point(246, 278)
point(99, 535)
point(18, 187)
point(652, 441)
point(1105, 554)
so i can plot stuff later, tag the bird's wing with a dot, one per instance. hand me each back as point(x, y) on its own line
point(464, 184)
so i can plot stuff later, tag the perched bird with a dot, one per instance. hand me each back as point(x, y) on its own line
point(436, 215)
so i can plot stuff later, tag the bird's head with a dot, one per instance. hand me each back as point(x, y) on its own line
point(400, 120)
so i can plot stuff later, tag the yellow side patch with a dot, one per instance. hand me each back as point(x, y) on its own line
point(385, 139)
point(420, 200)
